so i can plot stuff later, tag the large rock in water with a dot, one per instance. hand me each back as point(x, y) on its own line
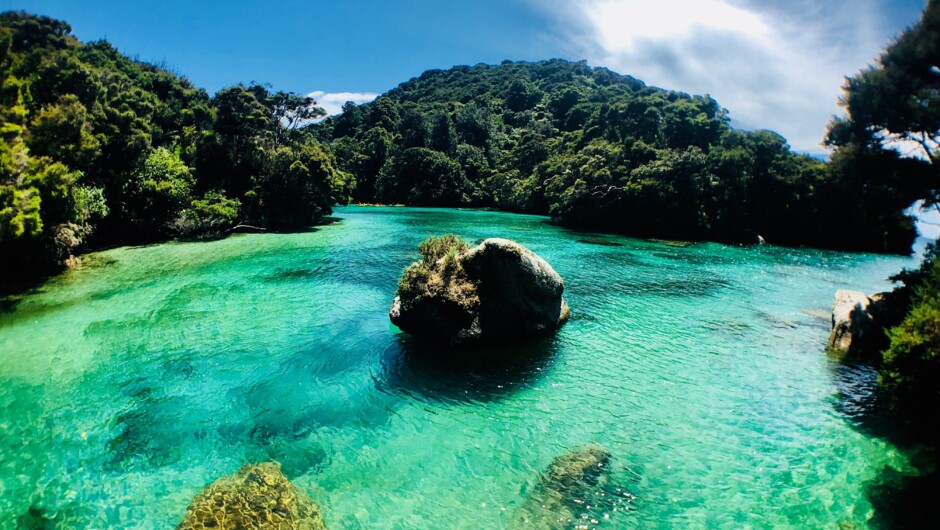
point(496, 291)
point(573, 481)
point(258, 497)
point(857, 323)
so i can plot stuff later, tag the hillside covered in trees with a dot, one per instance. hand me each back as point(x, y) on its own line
point(600, 150)
point(97, 149)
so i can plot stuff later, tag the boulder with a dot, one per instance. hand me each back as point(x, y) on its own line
point(259, 497)
point(571, 484)
point(496, 291)
point(856, 328)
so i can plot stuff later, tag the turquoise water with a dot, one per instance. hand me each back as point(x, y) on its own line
point(128, 384)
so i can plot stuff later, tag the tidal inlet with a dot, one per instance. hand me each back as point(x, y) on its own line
point(500, 264)
point(695, 376)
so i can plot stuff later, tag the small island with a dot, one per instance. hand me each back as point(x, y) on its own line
point(498, 291)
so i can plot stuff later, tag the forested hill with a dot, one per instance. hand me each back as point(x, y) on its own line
point(97, 149)
point(600, 150)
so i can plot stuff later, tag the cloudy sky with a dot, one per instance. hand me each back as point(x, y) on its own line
point(774, 65)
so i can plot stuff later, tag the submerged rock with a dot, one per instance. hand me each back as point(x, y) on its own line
point(569, 485)
point(259, 497)
point(498, 290)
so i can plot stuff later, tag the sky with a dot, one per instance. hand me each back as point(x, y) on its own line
point(773, 64)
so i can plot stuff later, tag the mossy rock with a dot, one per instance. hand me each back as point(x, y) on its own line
point(498, 291)
point(257, 497)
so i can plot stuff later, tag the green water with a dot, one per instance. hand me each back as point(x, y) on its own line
point(130, 383)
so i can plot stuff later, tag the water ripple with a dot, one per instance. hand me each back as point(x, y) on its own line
point(130, 383)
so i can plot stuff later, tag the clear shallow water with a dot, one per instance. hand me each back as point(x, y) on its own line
point(129, 384)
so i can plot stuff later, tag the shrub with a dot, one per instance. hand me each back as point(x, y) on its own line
point(439, 274)
point(911, 370)
point(209, 216)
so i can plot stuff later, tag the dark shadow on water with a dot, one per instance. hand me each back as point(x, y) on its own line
point(900, 500)
point(294, 230)
point(447, 374)
point(14, 290)
point(328, 220)
point(290, 275)
point(904, 501)
point(8, 305)
point(599, 242)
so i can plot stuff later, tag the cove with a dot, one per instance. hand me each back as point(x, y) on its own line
point(130, 383)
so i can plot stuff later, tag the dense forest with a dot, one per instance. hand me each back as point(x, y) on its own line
point(600, 150)
point(97, 149)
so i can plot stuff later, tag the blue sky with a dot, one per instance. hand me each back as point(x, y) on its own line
point(775, 65)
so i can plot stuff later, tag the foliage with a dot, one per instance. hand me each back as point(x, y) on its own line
point(897, 99)
point(209, 216)
point(296, 187)
point(19, 215)
point(886, 148)
point(155, 193)
point(911, 369)
point(99, 149)
point(433, 249)
point(439, 274)
point(600, 150)
point(423, 176)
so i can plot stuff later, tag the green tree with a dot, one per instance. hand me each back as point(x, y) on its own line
point(911, 368)
point(522, 95)
point(298, 186)
point(896, 102)
point(289, 112)
point(209, 215)
point(414, 128)
point(348, 122)
point(157, 192)
point(422, 177)
point(443, 134)
point(63, 131)
point(94, 142)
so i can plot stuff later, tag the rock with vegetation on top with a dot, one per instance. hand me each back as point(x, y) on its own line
point(567, 487)
point(258, 497)
point(496, 291)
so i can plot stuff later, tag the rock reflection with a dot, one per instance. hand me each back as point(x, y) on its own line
point(447, 374)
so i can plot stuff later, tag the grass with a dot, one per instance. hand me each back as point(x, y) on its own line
point(439, 274)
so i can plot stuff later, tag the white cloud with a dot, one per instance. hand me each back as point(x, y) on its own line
point(622, 24)
point(332, 102)
point(774, 65)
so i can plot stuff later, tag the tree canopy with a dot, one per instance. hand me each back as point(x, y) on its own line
point(893, 114)
point(99, 149)
point(601, 150)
